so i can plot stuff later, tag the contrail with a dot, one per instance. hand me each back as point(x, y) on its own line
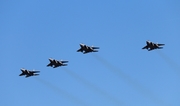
point(172, 63)
point(62, 92)
point(93, 87)
point(147, 93)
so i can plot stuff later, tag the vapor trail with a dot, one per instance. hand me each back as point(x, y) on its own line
point(93, 87)
point(172, 63)
point(61, 92)
point(146, 92)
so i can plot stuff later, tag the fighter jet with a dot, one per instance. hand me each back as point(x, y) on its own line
point(86, 49)
point(151, 46)
point(55, 63)
point(28, 73)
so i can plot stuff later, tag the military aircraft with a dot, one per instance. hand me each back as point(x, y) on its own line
point(28, 73)
point(55, 63)
point(151, 46)
point(86, 49)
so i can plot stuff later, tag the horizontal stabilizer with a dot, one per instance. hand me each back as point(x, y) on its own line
point(36, 71)
point(35, 74)
point(64, 61)
point(95, 47)
point(64, 65)
point(161, 44)
point(95, 51)
point(160, 47)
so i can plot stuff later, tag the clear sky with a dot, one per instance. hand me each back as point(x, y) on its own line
point(120, 74)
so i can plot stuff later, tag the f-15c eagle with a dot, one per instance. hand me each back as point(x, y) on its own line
point(151, 46)
point(86, 49)
point(28, 73)
point(55, 63)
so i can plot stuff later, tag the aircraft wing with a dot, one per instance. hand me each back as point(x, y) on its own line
point(148, 42)
point(50, 59)
point(82, 45)
point(50, 64)
point(27, 76)
point(55, 66)
point(80, 50)
point(85, 52)
point(151, 49)
point(22, 74)
point(145, 47)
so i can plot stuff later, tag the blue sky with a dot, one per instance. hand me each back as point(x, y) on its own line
point(120, 74)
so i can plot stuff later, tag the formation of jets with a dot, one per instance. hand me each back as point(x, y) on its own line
point(84, 49)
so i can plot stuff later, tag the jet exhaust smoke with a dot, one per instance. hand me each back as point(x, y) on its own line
point(171, 63)
point(94, 87)
point(61, 92)
point(147, 93)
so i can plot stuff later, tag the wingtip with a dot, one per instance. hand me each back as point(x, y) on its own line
point(50, 58)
